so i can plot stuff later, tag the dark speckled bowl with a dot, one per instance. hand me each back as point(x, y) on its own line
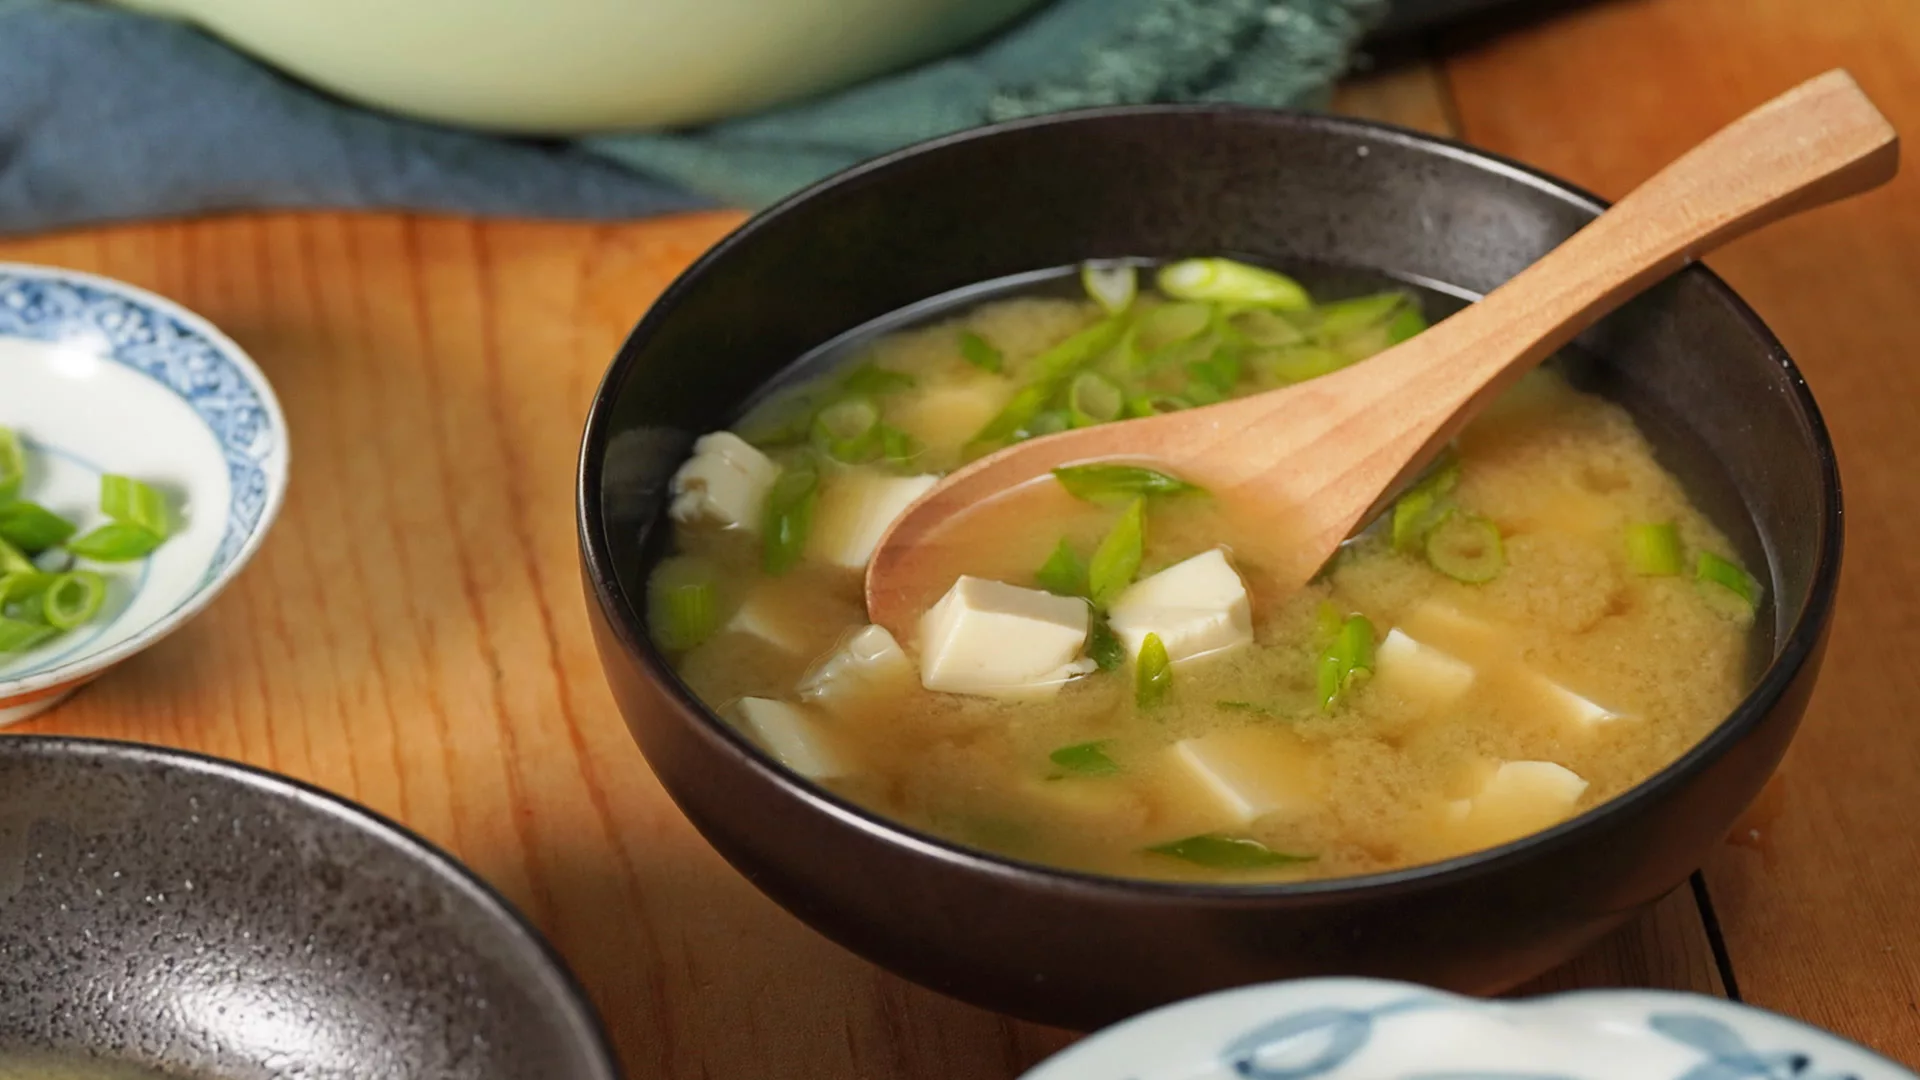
point(1711, 387)
point(168, 911)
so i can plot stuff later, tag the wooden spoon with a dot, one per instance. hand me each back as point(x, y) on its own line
point(1304, 466)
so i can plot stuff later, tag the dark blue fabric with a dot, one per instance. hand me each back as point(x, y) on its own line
point(110, 115)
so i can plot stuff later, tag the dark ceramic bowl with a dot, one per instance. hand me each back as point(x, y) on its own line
point(160, 910)
point(1709, 384)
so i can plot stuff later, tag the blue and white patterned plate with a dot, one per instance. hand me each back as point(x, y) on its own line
point(99, 377)
point(1365, 1029)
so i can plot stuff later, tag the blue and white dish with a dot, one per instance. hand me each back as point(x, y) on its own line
point(100, 377)
point(1366, 1029)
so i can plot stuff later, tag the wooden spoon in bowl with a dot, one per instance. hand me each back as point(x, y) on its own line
point(1305, 466)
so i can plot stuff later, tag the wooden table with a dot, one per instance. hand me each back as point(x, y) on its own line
point(413, 635)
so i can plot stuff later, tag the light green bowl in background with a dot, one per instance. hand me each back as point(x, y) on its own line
point(564, 67)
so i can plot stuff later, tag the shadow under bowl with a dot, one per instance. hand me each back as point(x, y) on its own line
point(1711, 387)
point(165, 911)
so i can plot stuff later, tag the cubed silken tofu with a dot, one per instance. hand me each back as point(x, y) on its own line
point(1518, 798)
point(869, 660)
point(946, 419)
point(1557, 702)
point(854, 510)
point(789, 615)
point(725, 481)
point(1196, 607)
point(1250, 772)
point(998, 640)
point(789, 733)
point(1419, 672)
point(1466, 637)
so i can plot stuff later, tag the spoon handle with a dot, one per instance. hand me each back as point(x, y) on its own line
point(1817, 143)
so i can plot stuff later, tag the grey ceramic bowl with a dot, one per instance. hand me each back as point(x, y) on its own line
point(168, 911)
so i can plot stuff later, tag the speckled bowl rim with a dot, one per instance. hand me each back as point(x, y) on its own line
point(529, 944)
point(275, 470)
point(1796, 646)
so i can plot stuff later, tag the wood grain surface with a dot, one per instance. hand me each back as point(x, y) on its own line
point(413, 634)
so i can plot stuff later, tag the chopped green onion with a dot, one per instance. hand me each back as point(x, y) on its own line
point(1152, 673)
point(1117, 559)
point(1724, 577)
point(1172, 323)
point(1220, 371)
point(1065, 572)
point(131, 502)
point(1068, 356)
point(1653, 549)
point(1466, 547)
point(979, 352)
point(1344, 317)
point(1202, 391)
point(788, 517)
point(115, 542)
point(1217, 852)
point(73, 598)
point(1106, 482)
point(1111, 285)
point(1050, 422)
point(22, 585)
point(1011, 423)
point(33, 528)
point(848, 431)
point(13, 464)
point(1414, 516)
point(1299, 363)
point(1085, 759)
point(683, 603)
point(1260, 326)
point(872, 380)
point(13, 561)
point(1408, 323)
point(1094, 399)
point(1103, 647)
point(1347, 662)
point(18, 635)
point(898, 447)
point(1224, 279)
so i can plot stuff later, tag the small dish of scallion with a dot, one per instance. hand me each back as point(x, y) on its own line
point(142, 459)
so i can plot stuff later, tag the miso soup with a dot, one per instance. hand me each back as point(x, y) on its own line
point(1540, 624)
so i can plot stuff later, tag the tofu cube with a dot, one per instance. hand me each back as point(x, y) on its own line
point(998, 640)
point(1466, 637)
point(868, 660)
point(945, 419)
point(770, 614)
point(725, 481)
point(1420, 672)
point(1196, 607)
point(854, 510)
point(1559, 703)
point(787, 732)
point(1520, 797)
point(1249, 773)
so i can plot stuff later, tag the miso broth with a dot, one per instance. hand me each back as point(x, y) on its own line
point(1540, 625)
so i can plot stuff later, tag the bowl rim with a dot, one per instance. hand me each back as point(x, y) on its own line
point(449, 872)
point(275, 468)
point(1796, 645)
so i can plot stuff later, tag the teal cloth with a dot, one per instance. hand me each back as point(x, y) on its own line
point(106, 114)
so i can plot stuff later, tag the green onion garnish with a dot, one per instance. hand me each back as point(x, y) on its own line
point(13, 561)
point(788, 517)
point(683, 604)
point(1111, 285)
point(1085, 759)
point(1424, 506)
point(898, 447)
point(20, 585)
point(1408, 323)
point(1262, 327)
point(1064, 573)
point(1103, 647)
point(979, 352)
point(1344, 317)
point(1224, 279)
point(873, 380)
point(1221, 371)
point(1466, 547)
point(1170, 323)
point(33, 528)
point(1099, 482)
point(71, 599)
point(1347, 661)
point(1723, 578)
point(1298, 363)
point(1050, 422)
point(1011, 423)
point(115, 542)
point(131, 502)
point(1152, 673)
point(848, 431)
point(13, 464)
point(1117, 559)
point(1653, 549)
point(18, 635)
point(1068, 356)
point(1093, 398)
point(1217, 852)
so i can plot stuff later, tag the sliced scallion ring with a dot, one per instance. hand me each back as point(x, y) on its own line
point(848, 430)
point(1238, 282)
point(13, 464)
point(19, 635)
point(1653, 549)
point(127, 500)
point(1112, 285)
point(1170, 323)
point(1152, 673)
point(1093, 398)
point(1728, 587)
point(71, 599)
point(1466, 547)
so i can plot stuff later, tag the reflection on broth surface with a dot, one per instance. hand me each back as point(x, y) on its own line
point(1542, 624)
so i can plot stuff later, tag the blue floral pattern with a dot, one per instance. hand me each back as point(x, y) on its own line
point(174, 353)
